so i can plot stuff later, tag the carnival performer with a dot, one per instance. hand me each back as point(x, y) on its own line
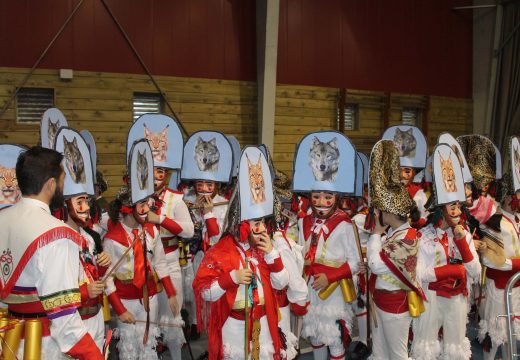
point(294, 298)
point(330, 250)
point(41, 276)
point(501, 255)
point(132, 287)
point(76, 214)
point(392, 256)
point(235, 284)
point(448, 265)
point(168, 212)
point(213, 166)
point(413, 150)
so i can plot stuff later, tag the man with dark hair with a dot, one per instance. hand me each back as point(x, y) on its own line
point(41, 262)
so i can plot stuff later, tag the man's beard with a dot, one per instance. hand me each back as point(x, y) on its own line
point(57, 200)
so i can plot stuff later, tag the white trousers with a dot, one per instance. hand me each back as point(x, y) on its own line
point(233, 339)
point(390, 337)
point(451, 315)
point(131, 346)
point(173, 336)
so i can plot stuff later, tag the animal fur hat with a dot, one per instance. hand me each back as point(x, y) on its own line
point(480, 155)
point(385, 188)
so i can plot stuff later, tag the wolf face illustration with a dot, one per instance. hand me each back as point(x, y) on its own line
point(74, 161)
point(9, 191)
point(517, 162)
point(324, 159)
point(448, 174)
point(207, 155)
point(158, 142)
point(405, 142)
point(256, 181)
point(52, 130)
point(458, 154)
point(142, 170)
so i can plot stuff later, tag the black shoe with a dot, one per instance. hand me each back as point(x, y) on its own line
point(360, 351)
point(194, 333)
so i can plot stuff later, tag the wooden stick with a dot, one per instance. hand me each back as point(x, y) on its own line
point(201, 206)
point(160, 324)
point(119, 261)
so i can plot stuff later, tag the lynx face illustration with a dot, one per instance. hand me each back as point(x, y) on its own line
point(324, 159)
point(256, 181)
point(158, 142)
point(448, 175)
point(74, 161)
point(142, 170)
point(207, 155)
point(9, 191)
point(405, 142)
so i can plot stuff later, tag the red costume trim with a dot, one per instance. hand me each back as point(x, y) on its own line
point(212, 227)
point(276, 266)
point(226, 282)
point(220, 260)
point(333, 274)
point(464, 250)
point(57, 233)
point(299, 310)
point(85, 349)
point(168, 286)
point(413, 188)
point(171, 225)
point(116, 303)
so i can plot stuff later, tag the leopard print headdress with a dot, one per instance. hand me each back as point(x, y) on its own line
point(386, 191)
point(480, 155)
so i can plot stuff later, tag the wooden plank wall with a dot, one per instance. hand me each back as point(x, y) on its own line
point(102, 104)
point(302, 109)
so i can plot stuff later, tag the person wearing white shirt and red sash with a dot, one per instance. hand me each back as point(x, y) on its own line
point(392, 256)
point(168, 212)
point(324, 167)
point(78, 186)
point(501, 255)
point(448, 265)
point(234, 286)
point(41, 260)
point(132, 288)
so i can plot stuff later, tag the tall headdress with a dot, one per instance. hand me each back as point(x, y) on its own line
point(255, 185)
point(498, 163)
point(52, 120)
point(208, 155)
point(91, 144)
point(481, 157)
point(164, 136)
point(510, 182)
point(386, 192)
point(79, 174)
point(360, 176)
point(410, 143)
point(235, 145)
point(364, 160)
point(325, 161)
point(448, 182)
point(9, 191)
point(448, 139)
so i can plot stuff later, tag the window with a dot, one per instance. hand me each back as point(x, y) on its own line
point(410, 116)
point(350, 118)
point(31, 103)
point(146, 103)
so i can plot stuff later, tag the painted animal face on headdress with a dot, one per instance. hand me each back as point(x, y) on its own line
point(405, 142)
point(256, 181)
point(448, 175)
point(52, 130)
point(74, 161)
point(207, 155)
point(158, 143)
point(9, 191)
point(324, 159)
point(142, 170)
